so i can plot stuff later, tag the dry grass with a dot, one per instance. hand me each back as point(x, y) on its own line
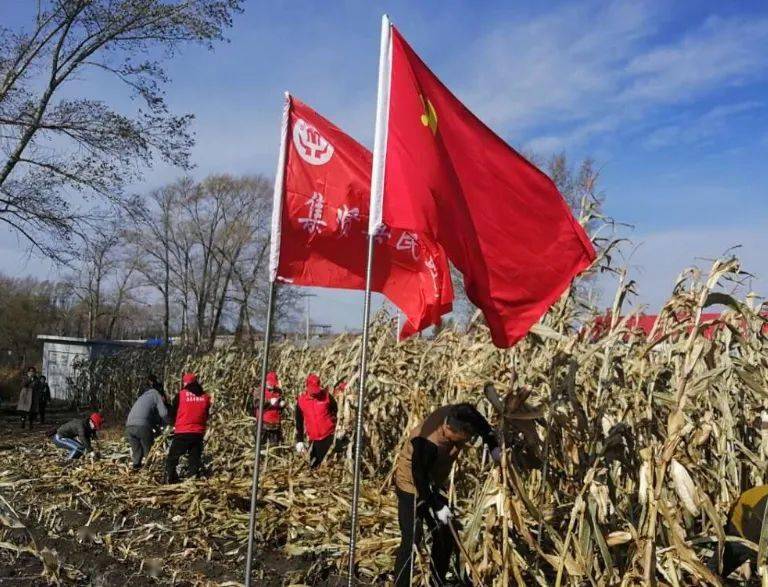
point(650, 440)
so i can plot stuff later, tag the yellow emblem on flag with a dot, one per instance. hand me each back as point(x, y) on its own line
point(429, 118)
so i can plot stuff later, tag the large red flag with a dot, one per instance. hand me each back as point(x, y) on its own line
point(321, 215)
point(501, 221)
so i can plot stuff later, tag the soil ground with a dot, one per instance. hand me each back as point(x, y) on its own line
point(95, 566)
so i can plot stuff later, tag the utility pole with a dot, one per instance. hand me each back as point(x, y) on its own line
point(306, 297)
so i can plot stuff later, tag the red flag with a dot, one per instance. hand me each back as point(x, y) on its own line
point(319, 233)
point(501, 221)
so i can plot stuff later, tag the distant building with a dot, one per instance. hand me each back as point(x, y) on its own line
point(60, 353)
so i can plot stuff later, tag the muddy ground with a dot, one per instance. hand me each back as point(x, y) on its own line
point(70, 551)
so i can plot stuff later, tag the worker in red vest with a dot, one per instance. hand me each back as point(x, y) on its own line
point(316, 413)
point(273, 407)
point(190, 411)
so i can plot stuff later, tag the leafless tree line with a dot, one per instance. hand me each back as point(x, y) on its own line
point(196, 253)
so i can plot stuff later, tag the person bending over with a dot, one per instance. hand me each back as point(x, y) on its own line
point(422, 471)
point(76, 435)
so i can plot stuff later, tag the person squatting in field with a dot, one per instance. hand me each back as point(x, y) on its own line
point(316, 410)
point(273, 408)
point(76, 435)
point(29, 398)
point(146, 418)
point(745, 520)
point(422, 470)
point(189, 412)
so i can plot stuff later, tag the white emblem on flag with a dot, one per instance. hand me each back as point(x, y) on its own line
point(382, 234)
point(409, 242)
point(314, 222)
point(344, 218)
point(311, 145)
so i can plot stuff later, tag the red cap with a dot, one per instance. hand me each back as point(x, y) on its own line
point(188, 378)
point(313, 384)
point(97, 420)
point(272, 379)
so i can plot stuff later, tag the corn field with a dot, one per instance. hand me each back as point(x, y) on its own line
point(619, 468)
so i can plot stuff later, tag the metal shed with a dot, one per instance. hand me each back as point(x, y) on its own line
point(61, 352)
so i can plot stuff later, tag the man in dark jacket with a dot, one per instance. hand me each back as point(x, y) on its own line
point(316, 414)
point(76, 435)
point(190, 410)
point(44, 396)
point(146, 413)
point(423, 468)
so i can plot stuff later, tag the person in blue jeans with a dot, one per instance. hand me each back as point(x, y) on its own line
point(75, 436)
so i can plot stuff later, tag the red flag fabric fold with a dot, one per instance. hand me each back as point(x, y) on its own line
point(501, 220)
point(322, 230)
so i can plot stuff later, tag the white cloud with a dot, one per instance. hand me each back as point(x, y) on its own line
point(722, 52)
point(590, 69)
point(700, 129)
point(552, 67)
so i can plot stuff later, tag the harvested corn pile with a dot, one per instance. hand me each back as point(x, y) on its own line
point(621, 464)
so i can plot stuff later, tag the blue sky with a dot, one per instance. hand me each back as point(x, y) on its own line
point(671, 99)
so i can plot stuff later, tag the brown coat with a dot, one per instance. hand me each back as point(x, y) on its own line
point(26, 395)
point(29, 396)
point(447, 452)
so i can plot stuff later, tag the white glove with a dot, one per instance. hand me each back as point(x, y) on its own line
point(273, 401)
point(444, 514)
point(300, 448)
point(496, 455)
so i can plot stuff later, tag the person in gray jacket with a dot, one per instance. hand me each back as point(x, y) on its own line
point(76, 435)
point(147, 412)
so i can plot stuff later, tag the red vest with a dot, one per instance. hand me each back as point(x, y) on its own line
point(192, 415)
point(271, 413)
point(319, 422)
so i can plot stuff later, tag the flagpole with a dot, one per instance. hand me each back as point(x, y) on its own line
point(377, 193)
point(277, 204)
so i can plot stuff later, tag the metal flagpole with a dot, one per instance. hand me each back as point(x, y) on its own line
point(377, 192)
point(277, 203)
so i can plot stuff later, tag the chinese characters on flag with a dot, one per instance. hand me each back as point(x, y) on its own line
point(321, 237)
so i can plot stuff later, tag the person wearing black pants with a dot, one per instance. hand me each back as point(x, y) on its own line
point(422, 471)
point(318, 449)
point(190, 411)
point(316, 411)
point(45, 396)
point(410, 518)
point(189, 444)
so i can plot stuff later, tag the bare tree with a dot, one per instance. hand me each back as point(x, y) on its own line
point(228, 220)
point(204, 249)
point(98, 264)
point(152, 233)
point(54, 144)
